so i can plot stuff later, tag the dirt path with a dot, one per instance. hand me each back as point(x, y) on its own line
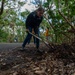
point(8, 46)
point(11, 46)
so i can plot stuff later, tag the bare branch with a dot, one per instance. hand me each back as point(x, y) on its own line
point(66, 19)
point(48, 21)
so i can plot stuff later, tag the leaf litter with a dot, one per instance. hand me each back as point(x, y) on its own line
point(57, 61)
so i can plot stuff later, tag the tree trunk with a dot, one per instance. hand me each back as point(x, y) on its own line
point(2, 7)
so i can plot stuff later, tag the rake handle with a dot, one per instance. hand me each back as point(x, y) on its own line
point(39, 38)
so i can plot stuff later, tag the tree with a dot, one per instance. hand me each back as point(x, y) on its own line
point(2, 7)
point(60, 17)
point(10, 17)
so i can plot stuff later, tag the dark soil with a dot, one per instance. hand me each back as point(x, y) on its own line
point(58, 60)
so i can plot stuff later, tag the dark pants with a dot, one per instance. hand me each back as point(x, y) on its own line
point(28, 37)
point(33, 39)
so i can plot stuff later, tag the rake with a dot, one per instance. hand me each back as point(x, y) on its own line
point(46, 43)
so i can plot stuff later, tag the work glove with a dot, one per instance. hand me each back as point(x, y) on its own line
point(33, 31)
point(27, 30)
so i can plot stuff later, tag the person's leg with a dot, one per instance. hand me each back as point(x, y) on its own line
point(37, 40)
point(34, 39)
point(28, 37)
point(29, 41)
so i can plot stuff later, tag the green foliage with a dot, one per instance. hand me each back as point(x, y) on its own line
point(13, 20)
point(59, 24)
point(3, 36)
point(23, 14)
point(56, 4)
point(21, 3)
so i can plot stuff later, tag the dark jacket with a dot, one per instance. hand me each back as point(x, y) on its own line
point(33, 20)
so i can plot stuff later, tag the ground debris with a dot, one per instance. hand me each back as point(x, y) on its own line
point(59, 62)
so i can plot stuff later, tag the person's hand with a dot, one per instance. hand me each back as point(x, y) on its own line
point(27, 30)
point(33, 31)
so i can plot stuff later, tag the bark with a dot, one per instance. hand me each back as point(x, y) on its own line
point(2, 7)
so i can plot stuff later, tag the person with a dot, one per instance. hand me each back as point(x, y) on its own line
point(32, 37)
point(33, 22)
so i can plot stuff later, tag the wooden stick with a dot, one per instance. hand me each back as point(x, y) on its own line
point(46, 43)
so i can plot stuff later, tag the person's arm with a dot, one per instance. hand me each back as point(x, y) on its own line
point(30, 20)
point(38, 24)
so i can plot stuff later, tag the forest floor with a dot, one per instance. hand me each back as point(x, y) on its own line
point(58, 60)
